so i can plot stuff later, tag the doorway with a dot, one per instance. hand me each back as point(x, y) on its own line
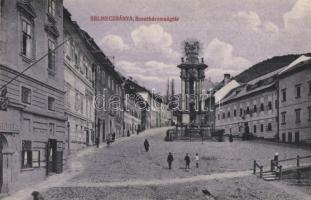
point(87, 138)
point(297, 137)
point(52, 155)
point(283, 137)
point(290, 137)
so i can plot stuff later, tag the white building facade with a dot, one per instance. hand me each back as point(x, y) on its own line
point(79, 86)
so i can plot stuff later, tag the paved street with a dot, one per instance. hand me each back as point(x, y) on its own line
point(126, 171)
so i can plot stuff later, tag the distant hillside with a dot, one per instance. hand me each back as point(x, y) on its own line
point(267, 66)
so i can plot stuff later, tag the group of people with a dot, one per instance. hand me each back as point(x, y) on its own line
point(170, 157)
point(187, 159)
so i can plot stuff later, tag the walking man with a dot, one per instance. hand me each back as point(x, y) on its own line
point(187, 159)
point(170, 159)
point(196, 159)
point(146, 144)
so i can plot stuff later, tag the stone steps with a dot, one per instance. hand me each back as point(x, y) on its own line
point(270, 176)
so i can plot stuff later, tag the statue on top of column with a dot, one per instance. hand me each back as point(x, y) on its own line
point(192, 50)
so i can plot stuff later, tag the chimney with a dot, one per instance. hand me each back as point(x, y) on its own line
point(227, 78)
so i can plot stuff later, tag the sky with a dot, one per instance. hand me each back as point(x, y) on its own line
point(234, 34)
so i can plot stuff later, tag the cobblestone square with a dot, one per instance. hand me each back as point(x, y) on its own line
point(126, 171)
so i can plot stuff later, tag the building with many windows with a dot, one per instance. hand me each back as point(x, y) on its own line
point(32, 127)
point(250, 108)
point(108, 96)
point(79, 87)
point(274, 105)
point(133, 108)
point(295, 102)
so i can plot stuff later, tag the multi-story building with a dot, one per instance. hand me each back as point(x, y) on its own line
point(250, 108)
point(133, 108)
point(113, 94)
point(166, 115)
point(108, 95)
point(294, 90)
point(78, 60)
point(146, 115)
point(143, 100)
point(269, 100)
point(155, 110)
point(32, 128)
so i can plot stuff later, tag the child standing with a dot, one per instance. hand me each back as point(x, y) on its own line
point(196, 159)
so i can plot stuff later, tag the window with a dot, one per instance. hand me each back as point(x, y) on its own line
point(283, 118)
point(67, 50)
point(81, 103)
point(108, 78)
point(298, 111)
point(26, 39)
point(35, 159)
point(269, 105)
point(261, 127)
point(87, 73)
point(223, 115)
point(51, 103)
point(309, 87)
point(77, 100)
point(26, 95)
point(52, 7)
point(72, 50)
point(262, 107)
point(241, 111)
point(218, 116)
point(51, 128)
point(51, 56)
point(228, 114)
point(298, 91)
point(309, 113)
point(76, 58)
point(87, 106)
point(283, 94)
point(26, 154)
point(255, 128)
point(67, 99)
point(269, 128)
point(234, 113)
point(247, 110)
point(255, 109)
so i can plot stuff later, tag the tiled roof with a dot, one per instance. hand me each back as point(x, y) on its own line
point(267, 66)
point(300, 62)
